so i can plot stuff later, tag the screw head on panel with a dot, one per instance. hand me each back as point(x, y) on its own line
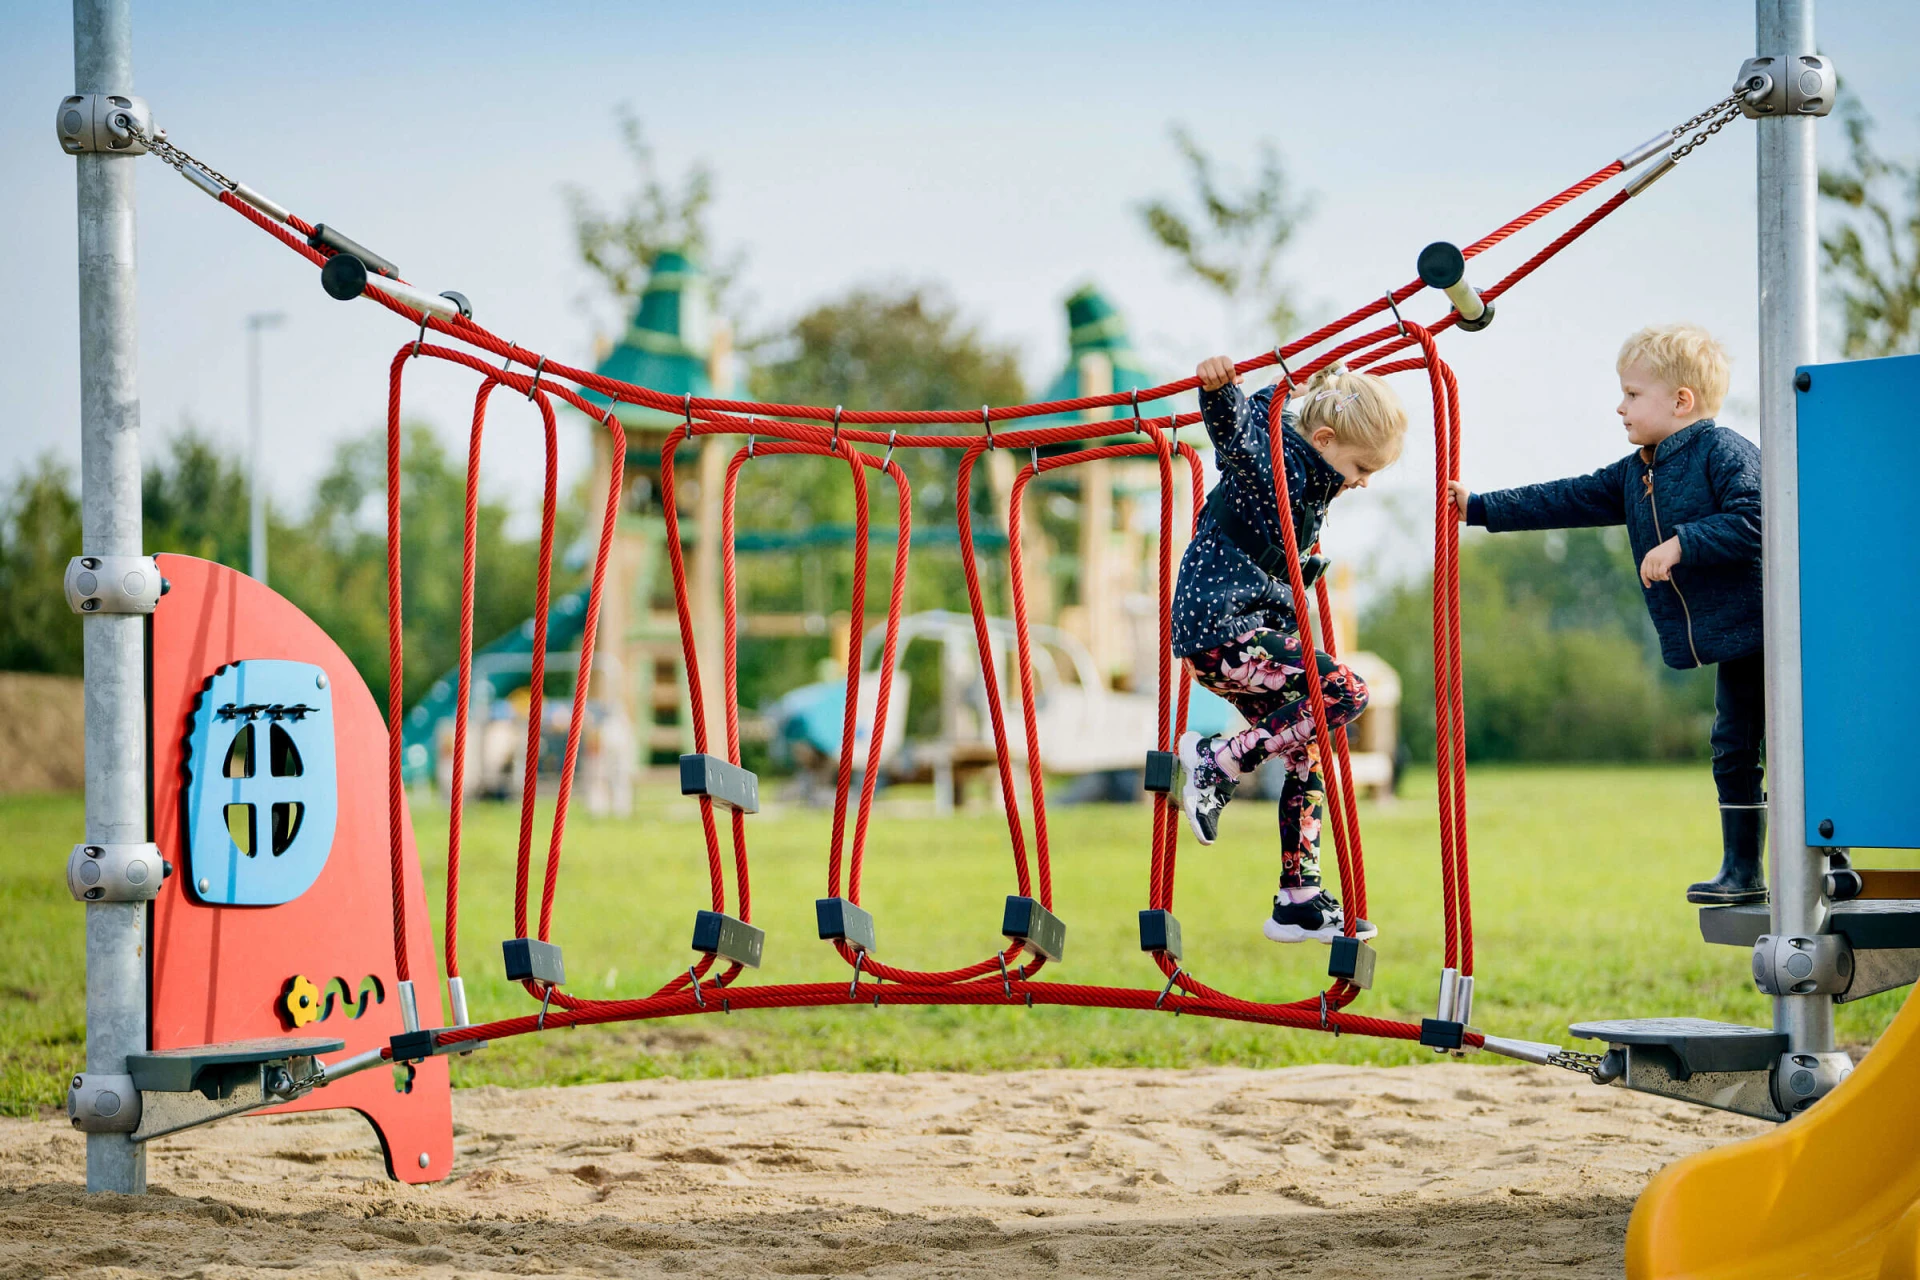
point(1803, 381)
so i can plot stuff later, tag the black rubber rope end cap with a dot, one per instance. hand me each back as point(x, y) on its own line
point(344, 277)
point(1441, 265)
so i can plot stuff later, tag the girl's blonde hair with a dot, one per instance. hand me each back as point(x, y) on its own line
point(1361, 410)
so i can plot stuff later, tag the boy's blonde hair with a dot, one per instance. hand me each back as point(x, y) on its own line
point(1361, 409)
point(1681, 355)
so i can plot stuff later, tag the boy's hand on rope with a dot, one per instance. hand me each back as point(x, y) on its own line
point(1216, 372)
point(1658, 566)
point(1457, 492)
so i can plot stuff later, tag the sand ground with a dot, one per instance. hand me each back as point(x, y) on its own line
point(1448, 1170)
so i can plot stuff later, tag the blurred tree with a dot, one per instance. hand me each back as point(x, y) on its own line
point(902, 347)
point(335, 569)
point(1560, 659)
point(658, 214)
point(39, 533)
point(1233, 244)
point(194, 501)
point(1872, 250)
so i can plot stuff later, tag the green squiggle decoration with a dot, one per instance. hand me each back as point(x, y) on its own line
point(337, 989)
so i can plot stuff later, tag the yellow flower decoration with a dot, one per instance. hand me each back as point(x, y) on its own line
point(302, 1001)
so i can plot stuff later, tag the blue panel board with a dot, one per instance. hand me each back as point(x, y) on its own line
point(1860, 600)
point(275, 794)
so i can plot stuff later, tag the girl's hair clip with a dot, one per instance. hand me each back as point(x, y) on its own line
point(1341, 402)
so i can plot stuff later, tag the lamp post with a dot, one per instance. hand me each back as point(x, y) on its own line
point(256, 490)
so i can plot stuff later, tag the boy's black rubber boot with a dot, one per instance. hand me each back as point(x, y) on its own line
point(1742, 879)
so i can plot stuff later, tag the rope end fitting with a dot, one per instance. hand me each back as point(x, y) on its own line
point(1648, 176)
point(1443, 267)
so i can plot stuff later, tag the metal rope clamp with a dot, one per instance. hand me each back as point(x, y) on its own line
point(114, 584)
point(114, 123)
point(116, 872)
point(1778, 86)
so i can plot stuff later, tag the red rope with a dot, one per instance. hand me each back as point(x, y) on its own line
point(972, 984)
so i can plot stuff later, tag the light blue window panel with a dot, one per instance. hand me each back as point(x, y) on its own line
point(262, 797)
point(1860, 600)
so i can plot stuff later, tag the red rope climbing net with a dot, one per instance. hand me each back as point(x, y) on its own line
point(776, 431)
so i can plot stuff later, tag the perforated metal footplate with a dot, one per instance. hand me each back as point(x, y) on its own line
point(1869, 924)
point(1699, 1044)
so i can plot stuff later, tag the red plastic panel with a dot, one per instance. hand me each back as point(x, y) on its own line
point(224, 973)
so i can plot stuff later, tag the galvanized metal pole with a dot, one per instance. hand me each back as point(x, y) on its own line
point(1788, 186)
point(114, 645)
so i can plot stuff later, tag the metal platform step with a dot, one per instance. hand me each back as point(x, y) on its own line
point(202, 1067)
point(1868, 924)
point(185, 1088)
point(1714, 1064)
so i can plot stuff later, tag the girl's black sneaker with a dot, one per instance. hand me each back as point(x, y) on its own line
point(1204, 787)
point(1319, 918)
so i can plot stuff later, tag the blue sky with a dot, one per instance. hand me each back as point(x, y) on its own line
point(997, 149)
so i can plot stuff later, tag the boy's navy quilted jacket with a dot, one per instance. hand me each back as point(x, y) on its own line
point(1221, 592)
point(1702, 485)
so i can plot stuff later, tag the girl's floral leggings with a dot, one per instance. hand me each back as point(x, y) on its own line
point(1263, 674)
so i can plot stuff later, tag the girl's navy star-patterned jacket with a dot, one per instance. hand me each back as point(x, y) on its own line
point(1221, 592)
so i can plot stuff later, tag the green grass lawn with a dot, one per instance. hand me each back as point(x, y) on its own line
point(1578, 876)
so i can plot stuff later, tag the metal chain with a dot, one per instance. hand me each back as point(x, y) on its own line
point(1715, 117)
point(172, 155)
point(1587, 1064)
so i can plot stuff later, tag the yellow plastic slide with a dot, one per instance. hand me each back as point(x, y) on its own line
point(1834, 1193)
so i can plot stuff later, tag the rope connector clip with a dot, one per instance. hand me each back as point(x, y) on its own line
point(534, 389)
point(834, 444)
point(699, 997)
point(1395, 308)
point(986, 423)
point(1286, 374)
point(887, 460)
point(853, 988)
point(1177, 974)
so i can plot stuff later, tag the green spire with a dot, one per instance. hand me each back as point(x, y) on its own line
point(1095, 327)
point(667, 346)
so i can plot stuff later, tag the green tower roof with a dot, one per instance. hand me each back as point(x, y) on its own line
point(667, 345)
point(1093, 326)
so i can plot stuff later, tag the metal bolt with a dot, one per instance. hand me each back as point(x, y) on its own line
point(93, 894)
point(320, 681)
point(94, 851)
point(1803, 381)
point(1826, 826)
point(424, 1161)
point(205, 884)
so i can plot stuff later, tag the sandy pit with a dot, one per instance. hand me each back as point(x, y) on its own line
point(1446, 1170)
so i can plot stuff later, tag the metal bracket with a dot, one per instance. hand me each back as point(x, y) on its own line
point(271, 1084)
point(101, 1103)
point(114, 584)
point(1780, 86)
point(116, 872)
point(109, 122)
point(1802, 965)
